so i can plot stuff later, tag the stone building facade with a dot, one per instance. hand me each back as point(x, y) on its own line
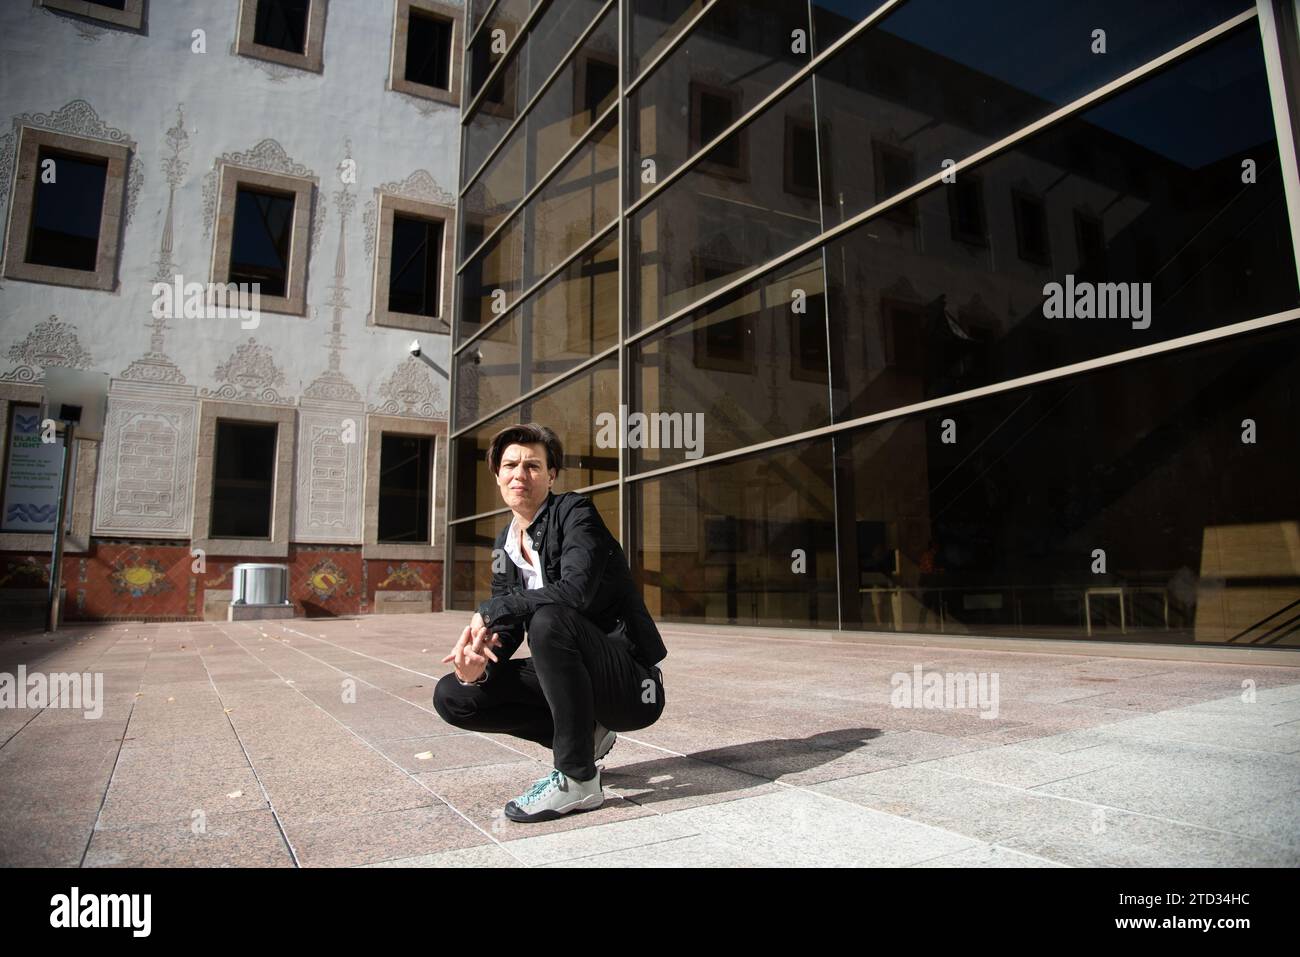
point(190, 108)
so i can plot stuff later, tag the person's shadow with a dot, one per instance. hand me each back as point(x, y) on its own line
point(674, 777)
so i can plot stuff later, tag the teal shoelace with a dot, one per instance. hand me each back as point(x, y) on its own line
point(537, 789)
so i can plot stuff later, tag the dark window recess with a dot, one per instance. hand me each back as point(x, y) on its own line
point(243, 480)
point(282, 24)
point(966, 209)
point(801, 159)
point(404, 472)
point(895, 171)
point(111, 4)
point(67, 212)
point(714, 112)
point(1031, 229)
point(259, 251)
point(600, 81)
point(413, 279)
point(1091, 240)
point(428, 51)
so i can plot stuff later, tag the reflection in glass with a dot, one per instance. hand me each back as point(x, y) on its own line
point(750, 541)
point(739, 52)
point(1122, 504)
point(731, 212)
point(570, 319)
point(1144, 189)
point(747, 368)
point(934, 80)
point(582, 91)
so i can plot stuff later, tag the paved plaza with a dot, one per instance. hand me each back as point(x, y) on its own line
point(314, 743)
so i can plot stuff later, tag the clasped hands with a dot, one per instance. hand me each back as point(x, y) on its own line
point(473, 649)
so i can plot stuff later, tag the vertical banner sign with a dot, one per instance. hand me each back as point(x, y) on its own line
point(35, 469)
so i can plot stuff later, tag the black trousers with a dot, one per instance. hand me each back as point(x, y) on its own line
point(577, 675)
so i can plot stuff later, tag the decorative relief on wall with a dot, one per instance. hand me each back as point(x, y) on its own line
point(269, 157)
point(146, 466)
point(331, 422)
point(52, 342)
point(412, 390)
point(249, 375)
point(155, 365)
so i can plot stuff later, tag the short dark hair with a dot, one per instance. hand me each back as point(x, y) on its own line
point(529, 434)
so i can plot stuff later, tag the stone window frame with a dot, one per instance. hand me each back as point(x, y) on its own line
point(132, 16)
point(303, 188)
point(376, 426)
point(285, 418)
point(77, 540)
point(312, 59)
point(31, 141)
point(380, 315)
point(397, 59)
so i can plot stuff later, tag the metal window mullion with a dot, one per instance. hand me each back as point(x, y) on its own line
point(524, 29)
point(1233, 331)
point(528, 107)
point(551, 173)
point(563, 264)
point(753, 112)
point(534, 393)
point(1284, 92)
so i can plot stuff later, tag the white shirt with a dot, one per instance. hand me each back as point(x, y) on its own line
point(531, 573)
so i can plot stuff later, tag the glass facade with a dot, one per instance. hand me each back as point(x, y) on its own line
point(973, 318)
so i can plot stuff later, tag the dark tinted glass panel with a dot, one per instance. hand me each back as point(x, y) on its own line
point(552, 35)
point(654, 23)
point(1151, 501)
point(67, 212)
point(500, 30)
point(414, 278)
point(570, 408)
point(726, 215)
point(569, 320)
point(113, 4)
point(956, 77)
point(404, 488)
point(578, 202)
point(749, 541)
point(1151, 230)
point(492, 117)
point(493, 279)
point(282, 24)
point(428, 51)
point(242, 480)
point(581, 92)
point(745, 369)
point(259, 251)
point(737, 54)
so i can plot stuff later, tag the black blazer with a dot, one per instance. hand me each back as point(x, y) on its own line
point(583, 567)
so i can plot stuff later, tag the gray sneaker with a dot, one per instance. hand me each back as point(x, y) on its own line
point(554, 795)
point(604, 740)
